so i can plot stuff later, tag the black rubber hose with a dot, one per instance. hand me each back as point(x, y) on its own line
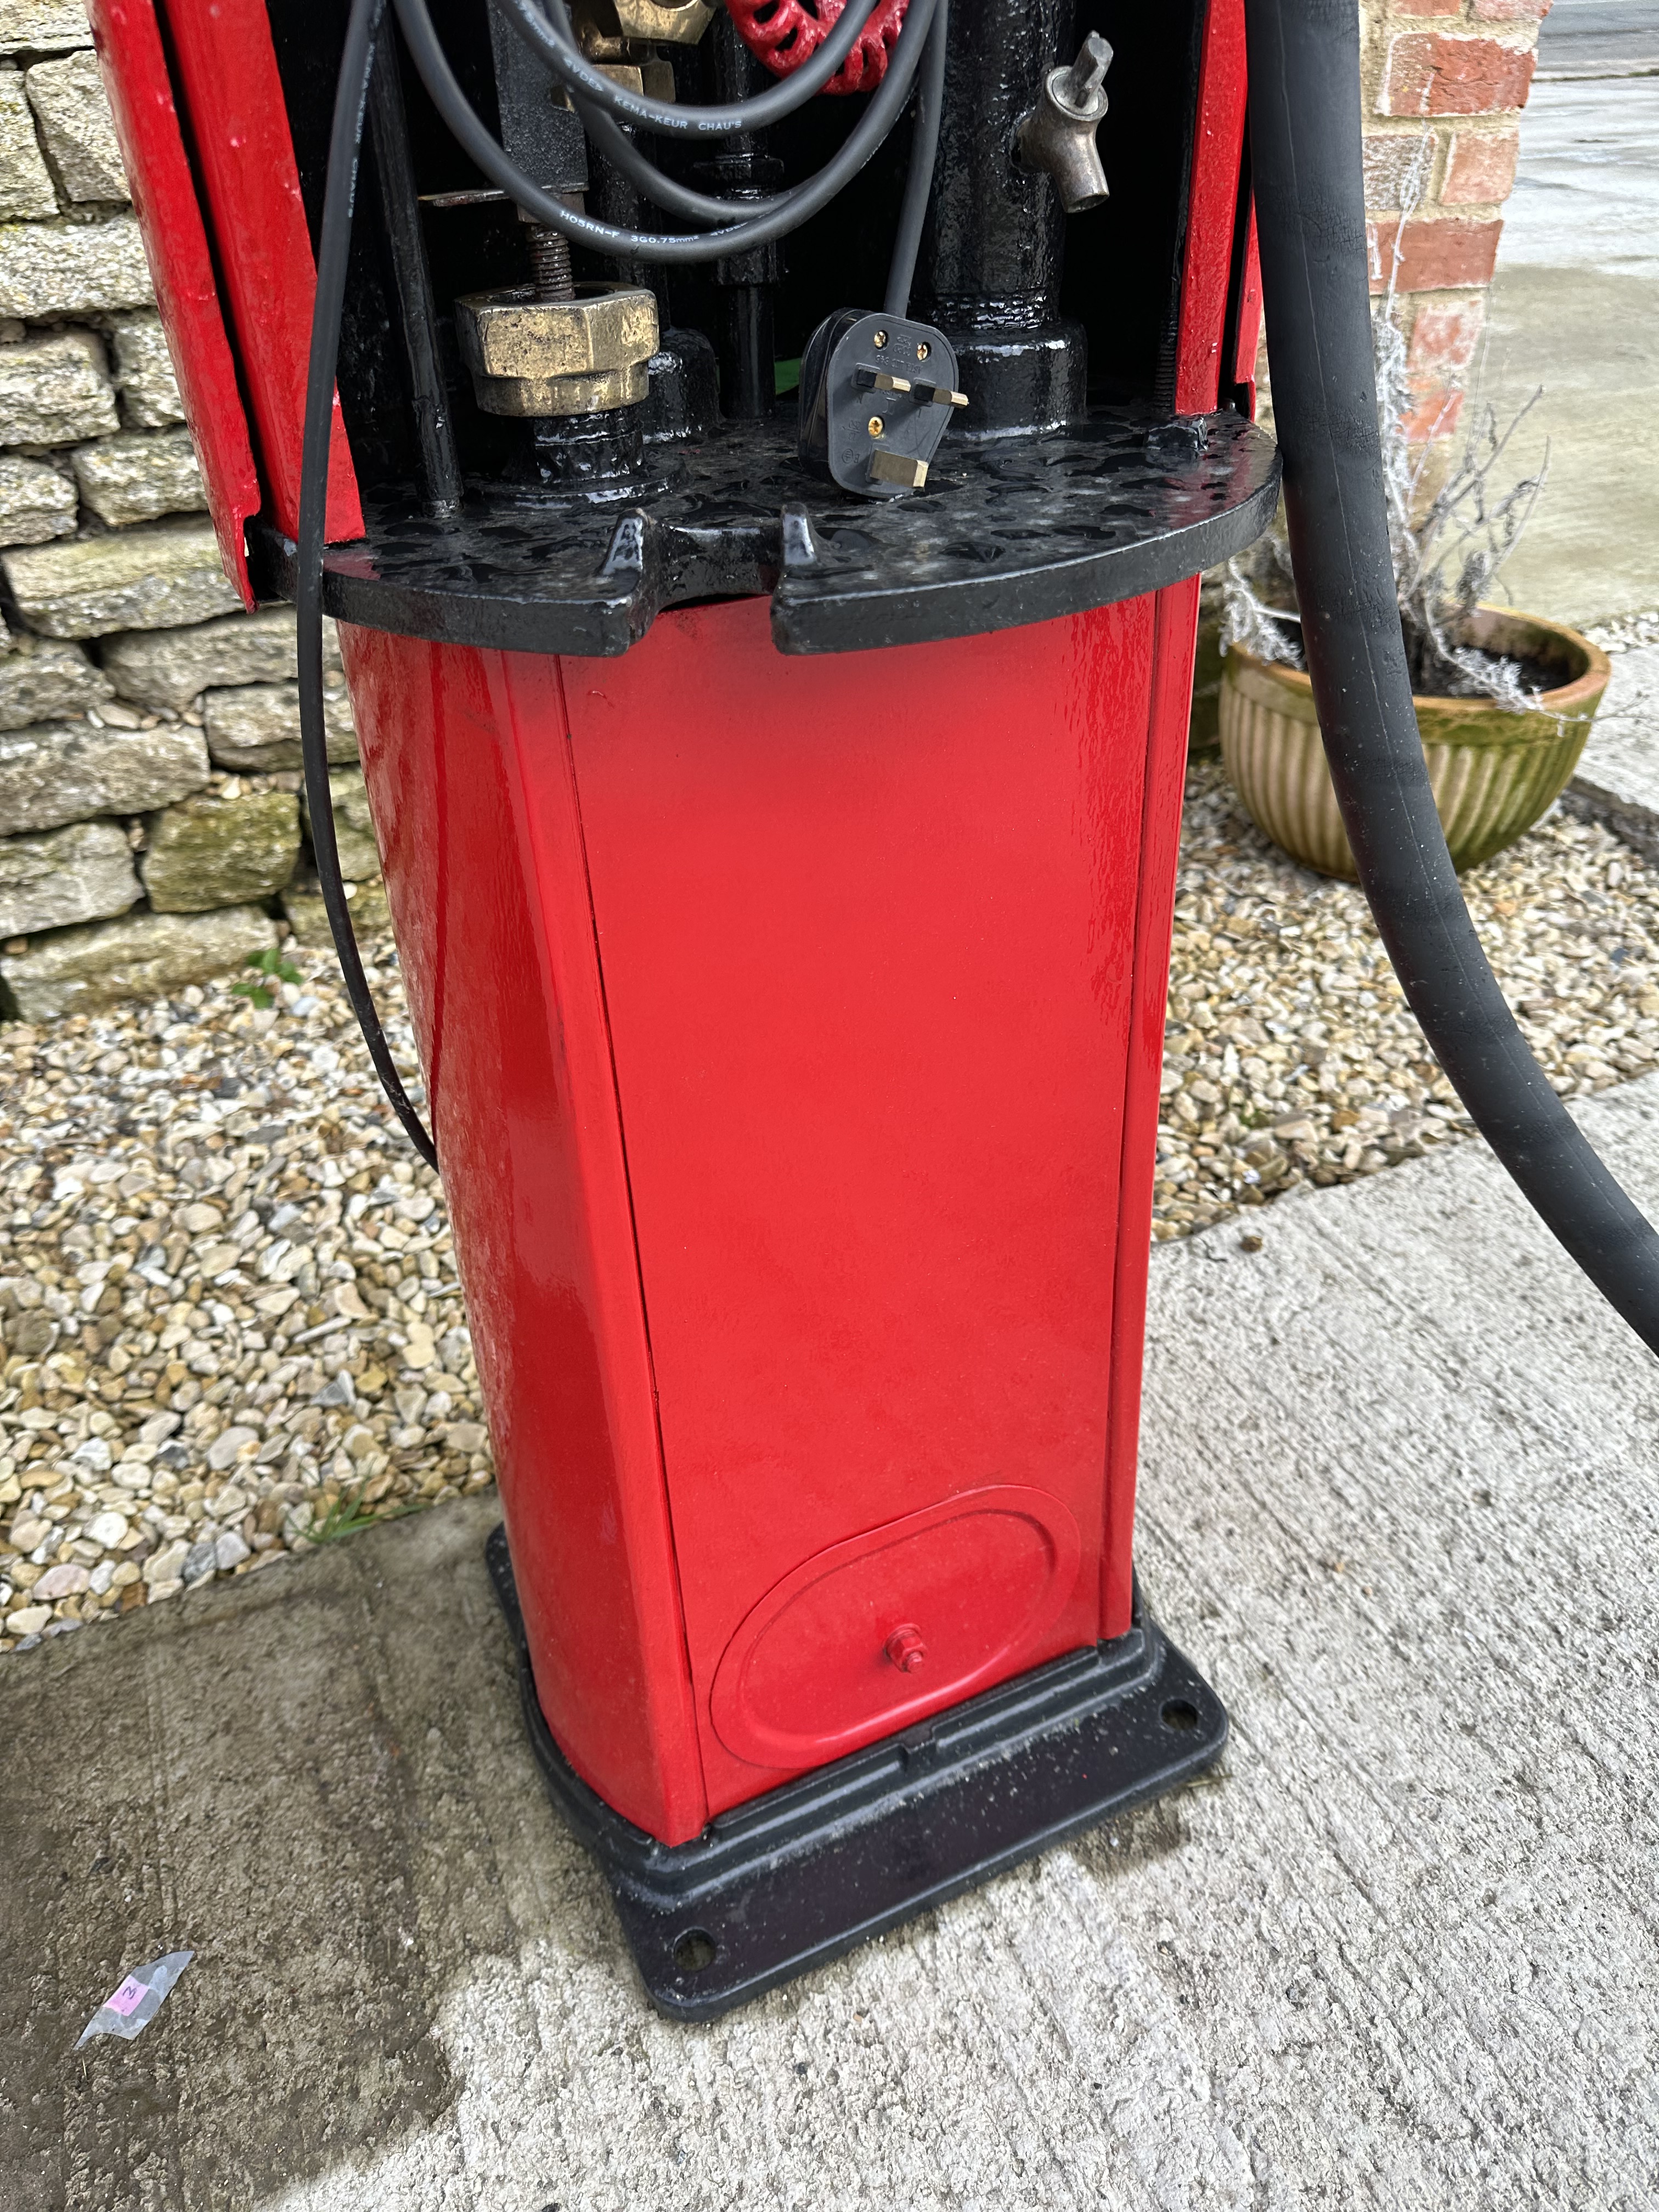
point(1305, 157)
point(924, 156)
point(547, 33)
point(333, 249)
point(668, 248)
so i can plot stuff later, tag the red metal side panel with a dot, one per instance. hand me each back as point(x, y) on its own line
point(867, 925)
point(468, 764)
point(1250, 316)
point(233, 97)
point(1212, 205)
point(1160, 846)
point(135, 69)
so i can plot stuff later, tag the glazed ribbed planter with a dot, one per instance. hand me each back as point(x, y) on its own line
point(1493, 772)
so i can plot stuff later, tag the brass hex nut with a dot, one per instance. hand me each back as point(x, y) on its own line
point(581, 355)
point(675, 25)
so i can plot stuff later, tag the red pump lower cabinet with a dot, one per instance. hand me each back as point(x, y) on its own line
point(782, 880)
point(792, 1030)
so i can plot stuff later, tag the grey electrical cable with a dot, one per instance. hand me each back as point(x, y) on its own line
point(549, 35)
point(919, 180)
point(668, 248)
point(610, 140)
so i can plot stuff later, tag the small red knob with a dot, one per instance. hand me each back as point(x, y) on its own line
point(905, 1648)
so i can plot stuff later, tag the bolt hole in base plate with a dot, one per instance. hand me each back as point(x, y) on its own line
point(807, 1871)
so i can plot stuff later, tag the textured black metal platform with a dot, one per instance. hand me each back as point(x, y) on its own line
point(805, 1872)
point(1008, 530)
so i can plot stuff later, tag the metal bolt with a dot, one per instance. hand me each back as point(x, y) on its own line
point(877, 426)
point(880, 338)
point(549, 263)
point(905, 1648)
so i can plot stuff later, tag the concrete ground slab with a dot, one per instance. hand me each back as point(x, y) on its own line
point(1575, 308)
point(1403, 1950)
point(1618, 778)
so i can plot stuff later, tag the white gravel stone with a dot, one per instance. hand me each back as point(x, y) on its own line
point(76, 874)
point(146, 579)
point(166, 1566)
point(1290, 1057)
point(230, 1445)
point(55, 390)
point(106, 1529)
point(78, 127)
point(119, 1124)
point(62, 772)
point(49, 269)
point(27, 1621)
point(26, 192)
point(144, 374)
point(37, 502)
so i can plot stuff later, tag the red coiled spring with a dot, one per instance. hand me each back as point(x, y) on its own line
point(781, 34)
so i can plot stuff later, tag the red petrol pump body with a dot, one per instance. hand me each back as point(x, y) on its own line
point(783, 907)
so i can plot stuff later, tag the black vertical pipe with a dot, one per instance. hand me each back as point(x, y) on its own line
point(744, 283)
point(992, 250)
point(400, 207)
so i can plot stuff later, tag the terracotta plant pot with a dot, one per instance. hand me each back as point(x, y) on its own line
point(1493, 774)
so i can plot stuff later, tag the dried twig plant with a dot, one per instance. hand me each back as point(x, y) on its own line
point(1448, 549)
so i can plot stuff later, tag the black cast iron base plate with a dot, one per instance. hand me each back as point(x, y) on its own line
point(807, 1871)
point(1006, 530)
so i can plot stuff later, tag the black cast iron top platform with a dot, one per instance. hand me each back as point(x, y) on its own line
point(1006, 531)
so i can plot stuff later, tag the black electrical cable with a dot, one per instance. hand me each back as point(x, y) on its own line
point(610, 140)
point(1305, 157)
point(620, 150)
point(549, 34)
point(670, 248)
point(918, 178)
point(334, 244)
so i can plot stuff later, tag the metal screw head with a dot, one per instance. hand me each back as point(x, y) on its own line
point(905, 1648)
point(877, 426)
point(880, 338)
point(922, 349)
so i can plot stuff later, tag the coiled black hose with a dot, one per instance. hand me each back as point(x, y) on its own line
point(1305, 157)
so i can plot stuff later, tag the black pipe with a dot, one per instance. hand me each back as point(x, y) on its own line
point(400, 208)
point(1306, 156)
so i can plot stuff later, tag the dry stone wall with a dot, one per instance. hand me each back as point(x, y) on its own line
point(150, 826)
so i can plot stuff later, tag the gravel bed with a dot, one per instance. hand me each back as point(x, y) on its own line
point(231, 1320)
point(232, 1324)
point(1290, 1055)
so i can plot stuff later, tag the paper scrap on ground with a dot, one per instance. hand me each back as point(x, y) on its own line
point(139, 1998)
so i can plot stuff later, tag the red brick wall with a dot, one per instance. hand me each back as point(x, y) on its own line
point(1457, 71)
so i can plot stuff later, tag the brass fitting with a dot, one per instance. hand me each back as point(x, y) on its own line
point(583, 355)
point(609, 30)
point(675, 22)
point(651, 76)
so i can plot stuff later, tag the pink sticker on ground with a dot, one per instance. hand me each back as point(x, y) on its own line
point(128, 1997)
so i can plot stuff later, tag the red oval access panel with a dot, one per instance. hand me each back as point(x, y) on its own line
point(970, 1583)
